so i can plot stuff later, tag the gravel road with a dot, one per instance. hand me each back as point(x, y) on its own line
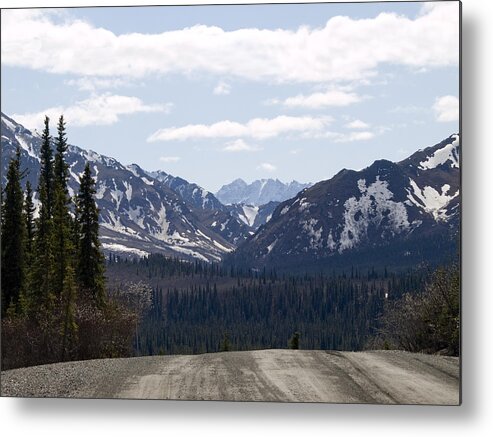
point(388, 377)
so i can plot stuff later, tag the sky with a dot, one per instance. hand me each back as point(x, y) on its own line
point(215, 93)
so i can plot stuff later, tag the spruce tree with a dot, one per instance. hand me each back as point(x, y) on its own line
point(13, 237)
point(46, 176)
point(64, 285)
point(62, 221)
point(40, 293)
point(68, 305)
point(29, 210)
point(90, 259)
point(60, 166)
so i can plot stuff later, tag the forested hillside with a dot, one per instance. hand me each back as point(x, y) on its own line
point(198, 307)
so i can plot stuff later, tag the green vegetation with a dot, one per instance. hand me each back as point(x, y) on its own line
point(428, 321)
point(54, 303)
point(194, 304)
point(13, 238)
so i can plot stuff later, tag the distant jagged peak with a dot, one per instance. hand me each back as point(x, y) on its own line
point(258, 192)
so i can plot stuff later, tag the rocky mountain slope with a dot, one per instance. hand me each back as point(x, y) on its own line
point(140, 212)
point(393, 213)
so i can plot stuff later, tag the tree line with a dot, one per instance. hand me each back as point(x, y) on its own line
point(54, 301)
point(198, 307)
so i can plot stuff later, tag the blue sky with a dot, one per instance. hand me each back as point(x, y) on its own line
point(213, 93)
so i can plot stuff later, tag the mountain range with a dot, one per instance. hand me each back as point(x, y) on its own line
point(259, 192)
point(392, 213)
point(141, 212)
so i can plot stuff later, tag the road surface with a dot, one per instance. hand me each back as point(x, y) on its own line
point(388, 377)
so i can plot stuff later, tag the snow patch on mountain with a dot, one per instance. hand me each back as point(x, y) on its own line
point(448, 153)
point(249, 214)
point(113, 223)
point(115, 247)
point(27, 147)
point(314, 234)
point(192, 253)
point(116, 195)
point(163, 224)
point(128, 190)
point(100, 190)
point(431, 200)
point(373, 207)
point(9, 124)
point(221, 247)
point(271, 246)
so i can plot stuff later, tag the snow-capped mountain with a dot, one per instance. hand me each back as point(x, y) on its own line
point(210, 210)
point(140, 212)
point(388, 213)
point(399, 213)
point(259, 192)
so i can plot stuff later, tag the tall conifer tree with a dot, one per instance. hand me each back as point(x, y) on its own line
point(90, 259)
point(40, 292)
point(60, 165)
point(63, 254)
point(62, 221)
point(13, 237)
point(29, 210)
point(46, 176)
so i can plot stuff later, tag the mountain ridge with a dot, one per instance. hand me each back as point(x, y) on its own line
point(138, 214)
point(410, 208)
point(387, 205)
point(259, 192)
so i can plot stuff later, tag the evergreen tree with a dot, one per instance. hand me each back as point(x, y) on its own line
point(46, 176)
point(68, 305)
point(60, 166)
point(63, 254)
point(90, 259)
point(13, 237)
point(29, 217)
point(40, 292)
point(62, 221)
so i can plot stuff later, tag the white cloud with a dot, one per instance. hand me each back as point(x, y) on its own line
point(169, 159)
point(357, 124)
point(95, 83)
point(321, 99)
point(446, 108)
point(104, 109)
point(259, 128)
point(344, 49)
point(265, 166)
point(240, 146)
point(354, 136)
point(222, 88)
